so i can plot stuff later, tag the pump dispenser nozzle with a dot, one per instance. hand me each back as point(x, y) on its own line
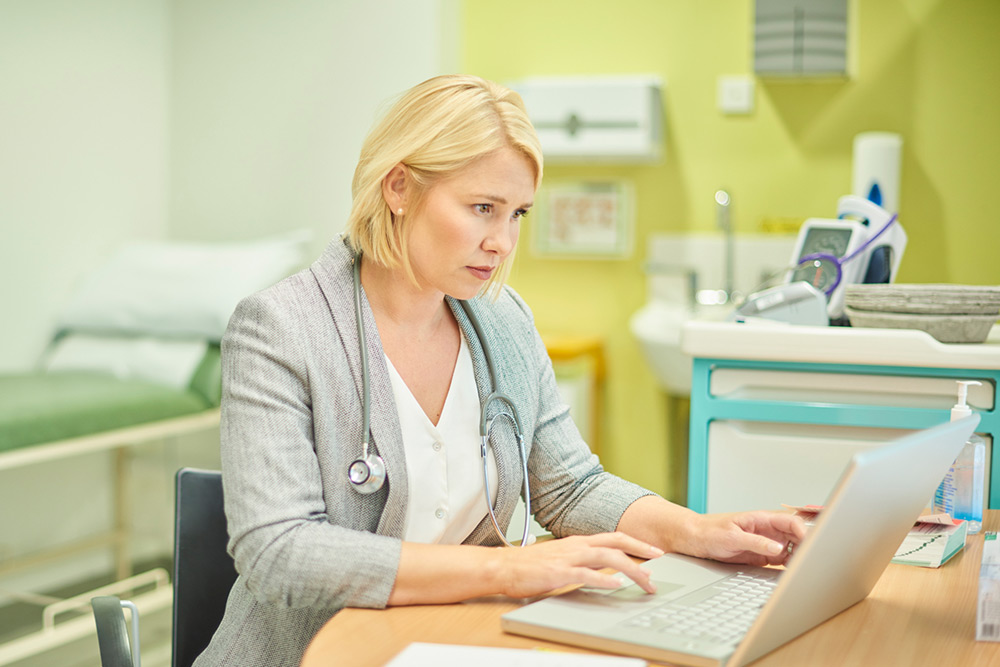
point(961, 493)
point(962, 409)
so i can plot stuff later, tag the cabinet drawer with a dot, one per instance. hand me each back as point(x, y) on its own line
point(762, 465)
point(848, 388)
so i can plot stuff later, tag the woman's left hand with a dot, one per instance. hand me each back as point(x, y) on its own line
point(754, 538)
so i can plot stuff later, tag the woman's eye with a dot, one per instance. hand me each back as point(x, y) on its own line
point(520, 213)
point(483, 208)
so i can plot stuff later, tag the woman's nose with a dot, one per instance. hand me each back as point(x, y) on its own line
point(501, 239)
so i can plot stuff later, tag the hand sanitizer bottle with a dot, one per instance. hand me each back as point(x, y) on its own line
point(961, 492)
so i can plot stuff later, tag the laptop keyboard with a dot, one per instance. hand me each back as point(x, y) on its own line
point(721, 612)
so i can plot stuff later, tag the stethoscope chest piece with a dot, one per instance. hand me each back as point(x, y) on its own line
point(367, 474)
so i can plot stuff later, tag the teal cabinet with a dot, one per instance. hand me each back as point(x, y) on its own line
point(776, 412)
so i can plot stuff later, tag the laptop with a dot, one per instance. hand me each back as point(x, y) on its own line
point(873, 506)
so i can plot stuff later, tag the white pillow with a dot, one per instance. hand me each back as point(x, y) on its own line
point(167, 362)
point(179, 289)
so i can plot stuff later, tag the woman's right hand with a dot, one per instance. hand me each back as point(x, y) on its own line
point(441, 573)
point(547, 565)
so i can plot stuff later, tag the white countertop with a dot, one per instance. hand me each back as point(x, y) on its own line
point(777, 341)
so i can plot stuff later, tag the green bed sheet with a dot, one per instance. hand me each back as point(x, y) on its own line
point(45, 407)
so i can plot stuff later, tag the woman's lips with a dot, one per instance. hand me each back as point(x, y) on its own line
point(481, 272)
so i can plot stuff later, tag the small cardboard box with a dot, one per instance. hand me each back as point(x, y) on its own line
point(988, 607)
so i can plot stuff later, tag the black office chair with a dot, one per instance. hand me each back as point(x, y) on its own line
point(203, 576)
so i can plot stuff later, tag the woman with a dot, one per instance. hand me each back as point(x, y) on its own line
point(439, 193)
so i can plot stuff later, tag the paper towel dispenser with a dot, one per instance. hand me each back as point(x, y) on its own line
point(610, 119)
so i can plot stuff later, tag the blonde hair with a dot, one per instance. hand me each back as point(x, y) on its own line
point(434, 129)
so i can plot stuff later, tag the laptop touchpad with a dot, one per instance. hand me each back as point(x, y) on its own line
point(634, 592)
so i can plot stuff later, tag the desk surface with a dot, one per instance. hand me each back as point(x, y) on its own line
point(913, 616)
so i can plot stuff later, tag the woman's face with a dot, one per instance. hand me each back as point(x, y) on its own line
point(469, 223)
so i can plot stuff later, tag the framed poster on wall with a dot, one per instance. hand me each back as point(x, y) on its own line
point(585, 219)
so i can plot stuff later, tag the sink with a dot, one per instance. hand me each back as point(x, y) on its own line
point(677, 265)
point(657, 327)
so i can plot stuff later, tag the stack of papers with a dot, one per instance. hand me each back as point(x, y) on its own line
point(934, 539)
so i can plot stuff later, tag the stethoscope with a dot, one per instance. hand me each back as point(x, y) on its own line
point(367, 474)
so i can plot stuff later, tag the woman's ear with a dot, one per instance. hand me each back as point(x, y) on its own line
point(394, 187)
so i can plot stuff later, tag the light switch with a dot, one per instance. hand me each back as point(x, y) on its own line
point(735, 94)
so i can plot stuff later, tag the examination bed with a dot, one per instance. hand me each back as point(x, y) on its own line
point(135, 360)
point(41, 408)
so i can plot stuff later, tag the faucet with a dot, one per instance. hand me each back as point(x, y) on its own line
point(709, 297)
point(722, 220)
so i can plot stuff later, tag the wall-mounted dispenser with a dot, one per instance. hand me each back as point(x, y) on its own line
point(605, 119)
point(876, 166)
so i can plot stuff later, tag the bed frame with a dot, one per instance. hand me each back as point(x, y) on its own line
point(118, 538)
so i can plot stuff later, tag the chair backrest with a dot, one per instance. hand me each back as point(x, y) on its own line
point(203, 571)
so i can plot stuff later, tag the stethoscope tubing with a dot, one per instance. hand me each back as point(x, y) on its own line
point(365, 390)
point(372, 483)
point(484, 427)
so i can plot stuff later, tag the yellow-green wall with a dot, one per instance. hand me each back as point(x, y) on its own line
point(928, 69)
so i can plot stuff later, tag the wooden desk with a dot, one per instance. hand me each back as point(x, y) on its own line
point(913, 616)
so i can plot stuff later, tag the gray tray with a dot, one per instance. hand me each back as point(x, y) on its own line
point(945, 328)
point(929, 299)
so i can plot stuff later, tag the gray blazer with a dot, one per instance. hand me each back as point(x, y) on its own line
point(306, 544)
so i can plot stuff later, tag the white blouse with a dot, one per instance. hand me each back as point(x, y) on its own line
point(444, 468)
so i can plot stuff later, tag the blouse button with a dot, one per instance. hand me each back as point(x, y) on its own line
point(439, 513)
point(437, 446)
